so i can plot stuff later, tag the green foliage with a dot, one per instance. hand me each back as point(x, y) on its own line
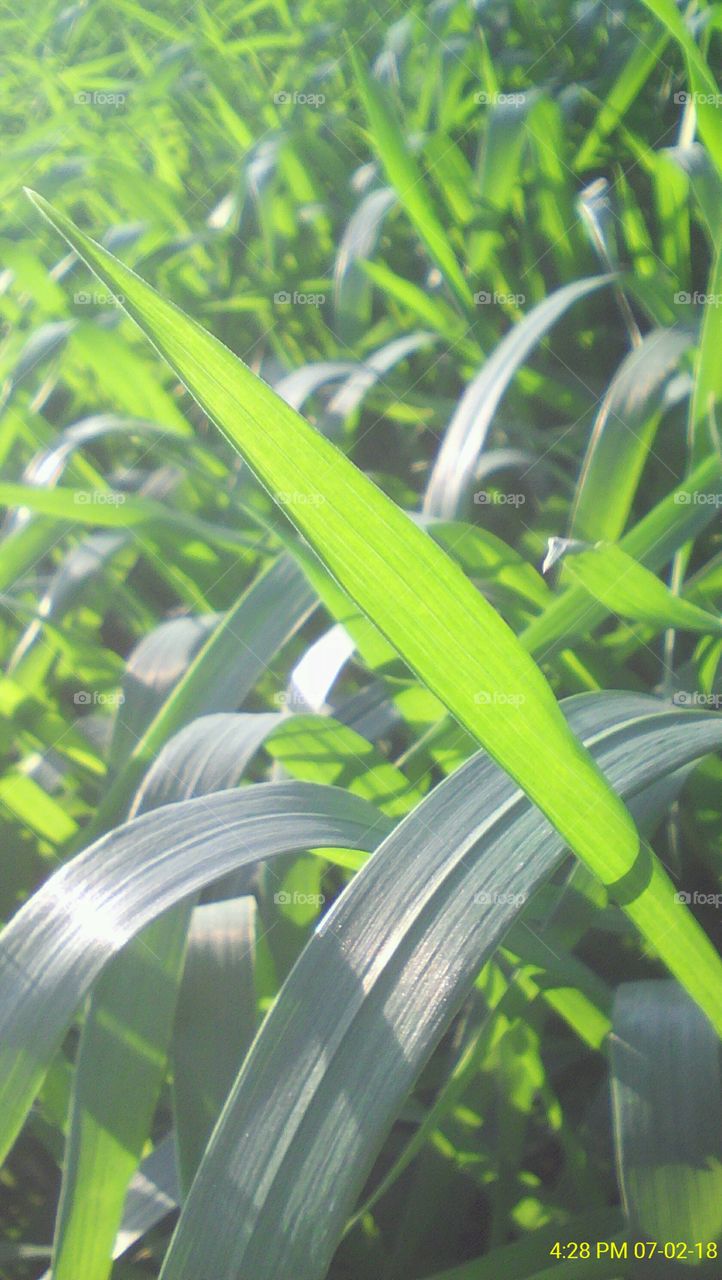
point(360, 771)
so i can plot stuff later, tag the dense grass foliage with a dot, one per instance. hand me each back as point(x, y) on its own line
point(360, 587)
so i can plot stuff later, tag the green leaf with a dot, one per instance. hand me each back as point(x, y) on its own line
point(667, 1116)
point(373, 992)
point(467, 431)
point(444, 629)
point(623, 436)
point(57, 945)
point(625, 587)
point(405, 177)
point(215, 1021)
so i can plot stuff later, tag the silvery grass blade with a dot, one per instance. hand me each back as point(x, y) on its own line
point(224, 670)
point(623, 436)
point(60, 941)
point(373, 992)
point(154, 1192)
point(443, 628)
point(667, 1119)
point(352, 291)
point(467, 432)
point(118, 1077)
point(215, 1021)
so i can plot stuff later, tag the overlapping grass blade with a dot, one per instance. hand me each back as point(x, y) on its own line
point(667, 1113)
point(443, 628)
point(374, 990)
point(57, 945)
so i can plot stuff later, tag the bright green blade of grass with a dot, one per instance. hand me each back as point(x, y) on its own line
point(407, 180)
point(625, 587)
point(57, 945)
point(682, 515)
point(374, 990)
point(701, 80)
point(444, 629)
point(667, 1115)
point(628, 84)
point(703, 427)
